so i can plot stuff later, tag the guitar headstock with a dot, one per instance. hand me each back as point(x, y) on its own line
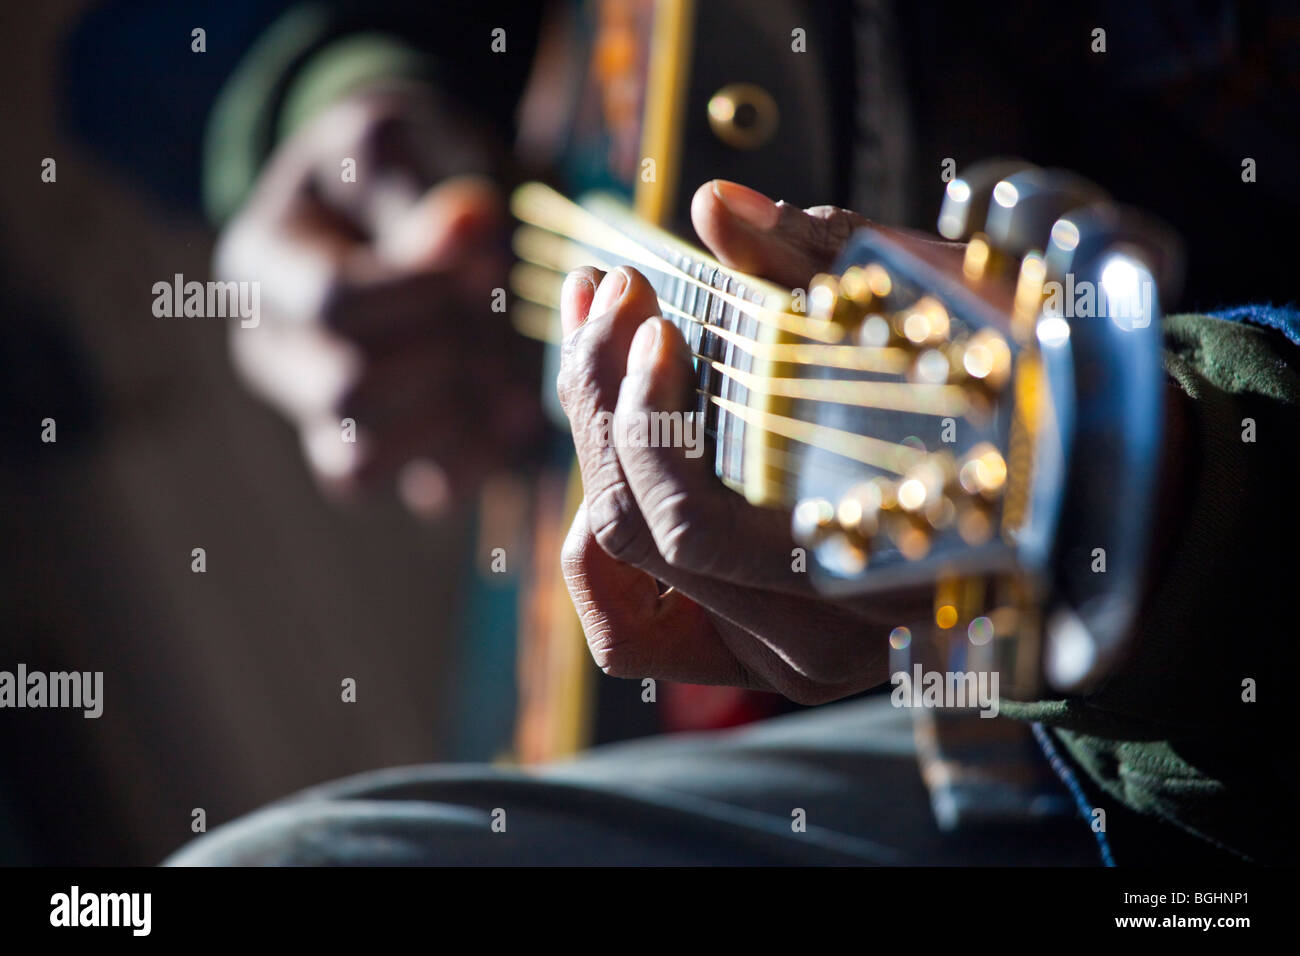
point(998, 433)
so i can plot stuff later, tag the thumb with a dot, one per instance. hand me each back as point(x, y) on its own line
point(436, 229)
point(774, 240)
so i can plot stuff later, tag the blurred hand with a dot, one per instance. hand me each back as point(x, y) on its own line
point(376, 299)
point(736, 612)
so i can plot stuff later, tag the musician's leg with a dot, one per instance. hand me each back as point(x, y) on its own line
point(731, 797)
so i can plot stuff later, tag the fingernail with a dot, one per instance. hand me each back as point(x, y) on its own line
point(645, 346)
point(747, 204)
point(611, 288)
point(575, 294)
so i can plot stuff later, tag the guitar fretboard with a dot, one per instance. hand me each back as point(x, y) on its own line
point(705, 300)
point(699, 298)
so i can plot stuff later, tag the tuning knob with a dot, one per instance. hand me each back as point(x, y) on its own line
point(841, 547)
point(863, 507)
point(1082, 236)
point(982, 476)
point(966, 200)
point(843, 536)
point(852, 297)
point(983, 472)
point(924, 505)
point(925, 328)
point(1024, 208)
point(1026, 204)
point(813, 521)
point(983, 360)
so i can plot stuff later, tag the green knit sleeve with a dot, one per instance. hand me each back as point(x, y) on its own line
point(1192, 726)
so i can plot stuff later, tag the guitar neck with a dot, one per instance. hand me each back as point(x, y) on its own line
point(716, 309)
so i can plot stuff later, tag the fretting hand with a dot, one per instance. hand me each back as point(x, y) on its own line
point(737, 611)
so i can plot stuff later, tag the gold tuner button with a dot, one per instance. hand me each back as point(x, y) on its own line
point(986, 358)
point(924, 323)
point(842, 554)
point(983, 472)
point(825, 304)
point(866, 285)
point(980, 258)
point(931, 367)
point(923, 506)
point(860, 511)
point(922, 492)
point(813, 521)
point(1028, 300)
point(844, 299)
point(743, 115)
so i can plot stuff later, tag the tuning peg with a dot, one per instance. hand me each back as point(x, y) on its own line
point(841, 547)
point(984, 359)
point(813, 521)
point(1024, 208)
point(848, 298)
point(1082, 236)
point(924, 327)
point(923, 323)
point(861, 510)
point(983, 472)
point(982, 479)
point(1026, 204)
point(966, 199)
point(924, 505)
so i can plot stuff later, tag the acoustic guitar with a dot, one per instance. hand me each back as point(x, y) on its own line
point(992, 432)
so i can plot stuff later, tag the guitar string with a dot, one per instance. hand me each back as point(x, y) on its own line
point(889, 456)
point(788, 427)
point(920, 399)
point(543, 208)
point(887, 361)
point(937, 400)
point(883, 360)
point(771, 453)
point(878, 453)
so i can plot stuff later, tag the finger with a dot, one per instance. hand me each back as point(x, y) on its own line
point(308, 271)
point(592, 365)
point(777, 241)
point(576, 295)
point(441, 227)
point(768, 667)
point(302, 370)
point(698, 525)
point(633, 631)
point(818, 641)
point(311, 268)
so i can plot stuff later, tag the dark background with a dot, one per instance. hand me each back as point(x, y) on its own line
point(222, 690)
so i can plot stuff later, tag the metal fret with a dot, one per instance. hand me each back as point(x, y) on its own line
point(710, 310)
